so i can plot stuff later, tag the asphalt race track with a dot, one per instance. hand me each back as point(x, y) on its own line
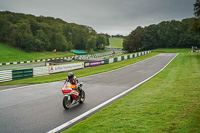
point(38, 108)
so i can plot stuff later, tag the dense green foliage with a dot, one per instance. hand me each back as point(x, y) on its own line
point(197, 8)
point(167, 34)
point(117, 36)
point(31, 33)
point(196, 24)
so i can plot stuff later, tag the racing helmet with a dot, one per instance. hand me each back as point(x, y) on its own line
point(70, 75)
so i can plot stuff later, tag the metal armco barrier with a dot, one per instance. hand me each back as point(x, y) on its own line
point(40, 71)
point(21, 74)
point(5, 75)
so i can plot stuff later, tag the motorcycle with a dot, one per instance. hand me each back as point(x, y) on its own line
point(72, 94)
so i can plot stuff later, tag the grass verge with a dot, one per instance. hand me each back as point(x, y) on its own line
point(169, 102)
point(116, 42)
point(80, 72)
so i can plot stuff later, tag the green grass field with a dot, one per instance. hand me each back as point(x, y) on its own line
point(9, 54)
point(116, 42)
point(168, 103)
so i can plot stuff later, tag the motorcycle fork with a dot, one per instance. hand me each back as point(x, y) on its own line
point(69, 97)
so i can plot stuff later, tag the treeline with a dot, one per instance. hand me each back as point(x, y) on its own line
point(167, 34)
point(117, 36)
point(32, 33)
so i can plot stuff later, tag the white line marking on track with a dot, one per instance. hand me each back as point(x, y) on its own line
point(106, 102)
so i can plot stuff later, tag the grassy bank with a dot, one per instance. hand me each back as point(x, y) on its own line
point(116, 42)
point(169, 102)
point(80, 72)
point(9, 54)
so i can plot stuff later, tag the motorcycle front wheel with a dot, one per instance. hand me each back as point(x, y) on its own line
point(66, 103)
point(82, 96)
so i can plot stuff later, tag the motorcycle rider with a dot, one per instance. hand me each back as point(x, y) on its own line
point(73, 80)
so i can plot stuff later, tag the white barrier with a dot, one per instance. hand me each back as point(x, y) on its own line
point(67, 67)
point(5, 75)
point(125, 57)
point(135, 55)
point(111, 60)
point(119, 58)
point(40, 71)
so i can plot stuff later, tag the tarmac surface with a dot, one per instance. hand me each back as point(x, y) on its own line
point(38, 108)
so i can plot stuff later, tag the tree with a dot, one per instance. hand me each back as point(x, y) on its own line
point(60, 43)
point(196, 24)
point(91, 43)
point(134, 41)
point(41, 41)
point(11, 36)
point(4, 28)
point(185, 41)
point(101, 41)
point(45, 33)
point(170, 34)
point(22, 32)
point(107, 39)
point(126, 43)
point(29, 43)
point(197, 8)
point(150, 39)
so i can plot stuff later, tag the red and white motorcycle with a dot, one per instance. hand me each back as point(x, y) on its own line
point(72, 94)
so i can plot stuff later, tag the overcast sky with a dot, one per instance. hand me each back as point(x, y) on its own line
point(105, 16)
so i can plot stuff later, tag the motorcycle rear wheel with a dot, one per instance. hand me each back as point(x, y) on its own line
point(66, 103)
point(82, 96)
